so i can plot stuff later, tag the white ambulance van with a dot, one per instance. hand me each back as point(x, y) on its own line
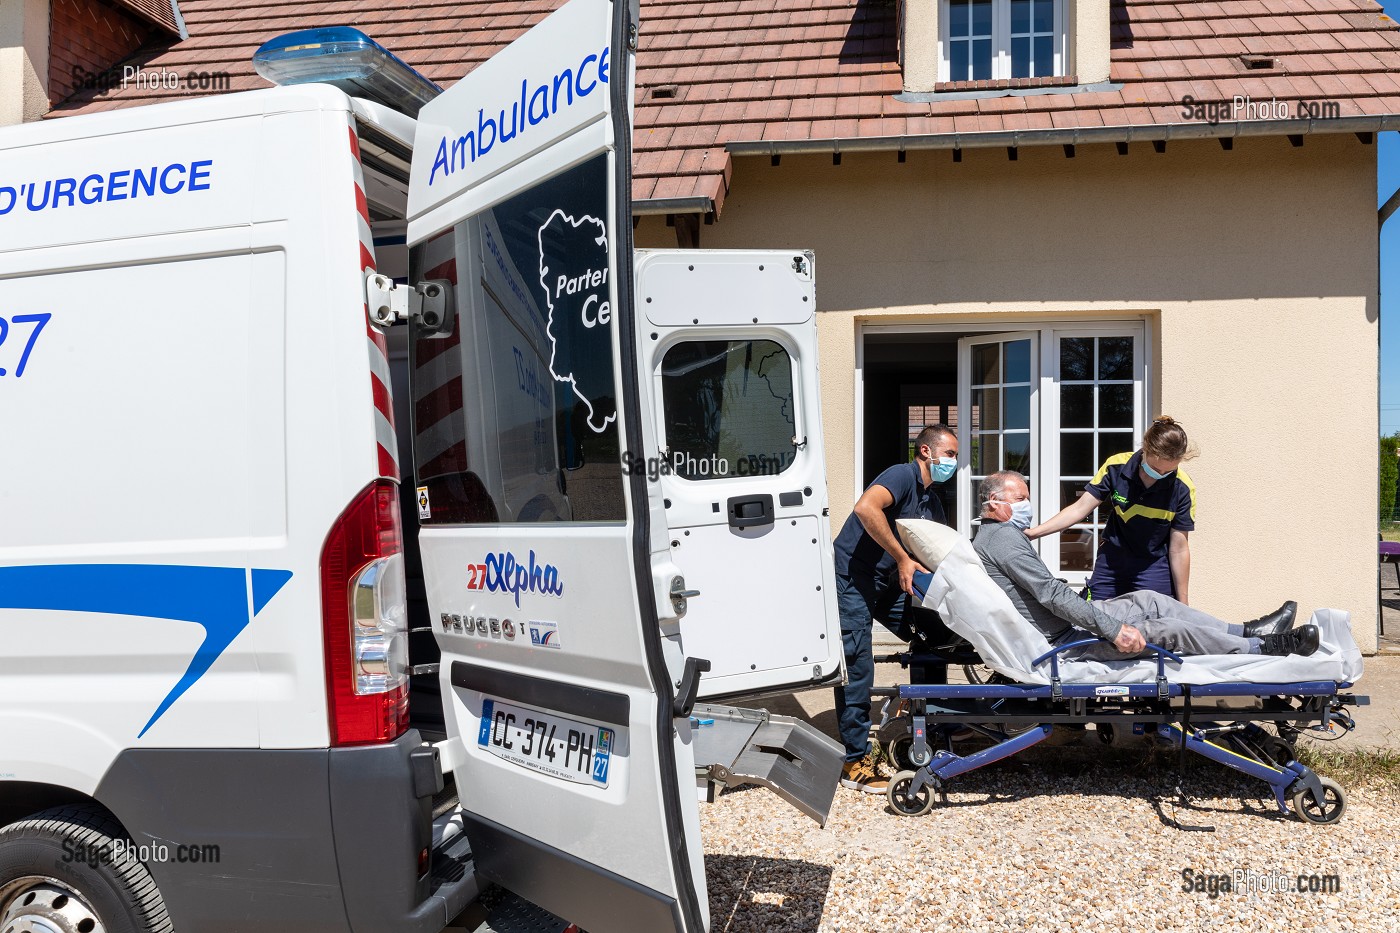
point(244, 458)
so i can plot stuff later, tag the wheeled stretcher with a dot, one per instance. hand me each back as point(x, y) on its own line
point(1215, 706)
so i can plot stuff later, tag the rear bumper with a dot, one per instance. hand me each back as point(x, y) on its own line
point(315, 840)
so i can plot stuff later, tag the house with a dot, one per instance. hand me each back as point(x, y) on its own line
point(1043, 220)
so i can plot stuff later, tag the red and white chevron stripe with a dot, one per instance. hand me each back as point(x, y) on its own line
point(380, 382)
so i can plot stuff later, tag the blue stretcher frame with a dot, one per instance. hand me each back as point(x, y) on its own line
point(1230, 735)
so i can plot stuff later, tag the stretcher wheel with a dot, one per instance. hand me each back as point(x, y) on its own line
point(1321, 812)
point(898, 795)
point(1280, 750)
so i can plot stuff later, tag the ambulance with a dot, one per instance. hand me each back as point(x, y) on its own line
point(383, 539)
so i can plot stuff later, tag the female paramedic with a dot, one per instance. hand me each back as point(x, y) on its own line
point(1144, 543)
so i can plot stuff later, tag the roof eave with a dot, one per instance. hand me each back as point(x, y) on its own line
point(1078, 135)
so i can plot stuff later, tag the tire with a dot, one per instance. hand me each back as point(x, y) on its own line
point(1320, 813)
point(46, 883)
point(897, 795)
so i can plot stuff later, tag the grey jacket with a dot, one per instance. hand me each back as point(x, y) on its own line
point(1048, 603)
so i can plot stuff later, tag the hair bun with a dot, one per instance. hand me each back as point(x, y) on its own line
point(1164, 419)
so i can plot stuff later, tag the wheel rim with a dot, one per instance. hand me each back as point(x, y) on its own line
point(1328, 809)
point(44, 905)
point(899, 799)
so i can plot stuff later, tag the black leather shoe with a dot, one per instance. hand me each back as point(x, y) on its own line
point(1301, 641)
point(1275, 623)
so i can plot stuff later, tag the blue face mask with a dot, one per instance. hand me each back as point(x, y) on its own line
point(942, 469)
point(1147, 468)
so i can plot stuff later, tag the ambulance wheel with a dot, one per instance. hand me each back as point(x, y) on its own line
point(898, 795)
point(58, 875)
point(1321, 812)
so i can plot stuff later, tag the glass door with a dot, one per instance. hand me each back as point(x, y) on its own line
point(998, 427)
point(1099, 410)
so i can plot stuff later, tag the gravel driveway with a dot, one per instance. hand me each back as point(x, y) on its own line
point(1068, 839)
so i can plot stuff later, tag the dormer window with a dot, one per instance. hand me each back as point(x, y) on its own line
point(985, 40)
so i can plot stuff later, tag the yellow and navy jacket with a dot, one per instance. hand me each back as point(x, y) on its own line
point(1143, 517)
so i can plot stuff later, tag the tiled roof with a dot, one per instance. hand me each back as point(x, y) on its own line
point(715, 72)
point(160, 12)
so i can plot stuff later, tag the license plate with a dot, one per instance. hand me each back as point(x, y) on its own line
point(544, 742)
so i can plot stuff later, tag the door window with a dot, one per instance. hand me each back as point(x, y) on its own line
point(728, 408)
point(998, 391)
point(1099, 381)
point(514, 408)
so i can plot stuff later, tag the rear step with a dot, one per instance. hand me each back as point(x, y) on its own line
point(500, 911)
point(783, 754)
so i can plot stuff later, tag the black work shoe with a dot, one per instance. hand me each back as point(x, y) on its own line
point(1301, 641)
point(1275, 623)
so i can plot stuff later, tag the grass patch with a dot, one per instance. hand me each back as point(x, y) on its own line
point(1390, 531)
point(1353, 767)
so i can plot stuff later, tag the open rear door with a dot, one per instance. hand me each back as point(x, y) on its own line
point(547, 565)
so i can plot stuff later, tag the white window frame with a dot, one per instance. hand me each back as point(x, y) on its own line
point(1045, 439)
point(1001, 40)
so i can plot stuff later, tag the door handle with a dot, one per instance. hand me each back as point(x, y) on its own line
point(750, 511)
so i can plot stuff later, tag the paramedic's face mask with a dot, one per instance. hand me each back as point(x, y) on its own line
point(1158, 468)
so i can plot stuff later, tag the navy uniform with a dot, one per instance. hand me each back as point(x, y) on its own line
point(1133, 554)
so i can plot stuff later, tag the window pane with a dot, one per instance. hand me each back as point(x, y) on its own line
point(958, 19)
point(728, 407)
point(982, 18)
point(1115, 406)
point(1115, 357)
point(1077, 549)
point(1020, 16)
point(1018, 361)
point(1077, 358)
point(547, 413)
point(957, 66)
point(981, 59)
point(1020, 57)
point(986, 409)
point(986, 449)
point(1017, 401)
point(1044, 57)
point(1044, 15)
point(1017, 445)
point(1114, 442)
point(986, 364)
point(1070, 491)
point(1076, 406)
point(1077, 455)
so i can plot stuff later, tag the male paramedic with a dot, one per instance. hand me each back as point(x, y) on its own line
point(873, 575)
point(1125, 623)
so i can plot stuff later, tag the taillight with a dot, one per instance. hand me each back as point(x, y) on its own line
point(364, 616)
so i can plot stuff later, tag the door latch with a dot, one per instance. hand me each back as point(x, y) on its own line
point(679, 595)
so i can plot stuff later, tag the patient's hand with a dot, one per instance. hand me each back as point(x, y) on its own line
point(1129, 640)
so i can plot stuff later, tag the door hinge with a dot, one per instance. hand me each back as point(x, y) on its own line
point(428, 304)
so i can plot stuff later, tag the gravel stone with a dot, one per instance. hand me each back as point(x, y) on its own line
point(1027, 845)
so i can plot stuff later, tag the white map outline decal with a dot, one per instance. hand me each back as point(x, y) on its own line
point(570, 378)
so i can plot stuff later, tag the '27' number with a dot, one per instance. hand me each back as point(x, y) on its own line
point(38, 320)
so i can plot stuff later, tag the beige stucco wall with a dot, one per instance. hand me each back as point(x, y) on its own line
point(1255, 270)
point(24, 60)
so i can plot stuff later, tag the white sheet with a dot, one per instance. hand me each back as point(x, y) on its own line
point(977, 609)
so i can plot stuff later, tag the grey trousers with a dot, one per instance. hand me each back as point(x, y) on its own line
point(1162, 621)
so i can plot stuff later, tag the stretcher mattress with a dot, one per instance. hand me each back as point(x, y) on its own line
point(977, 609)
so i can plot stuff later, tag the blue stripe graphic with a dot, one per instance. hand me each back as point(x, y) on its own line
point(215, 598)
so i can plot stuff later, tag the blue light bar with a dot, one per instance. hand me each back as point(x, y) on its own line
point(346, 58)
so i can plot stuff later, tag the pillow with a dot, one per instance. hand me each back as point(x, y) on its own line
point(928, 541)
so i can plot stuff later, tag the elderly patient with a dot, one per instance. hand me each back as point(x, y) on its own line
point(1125, 623)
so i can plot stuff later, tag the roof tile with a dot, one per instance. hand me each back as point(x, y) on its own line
point(828, 69)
